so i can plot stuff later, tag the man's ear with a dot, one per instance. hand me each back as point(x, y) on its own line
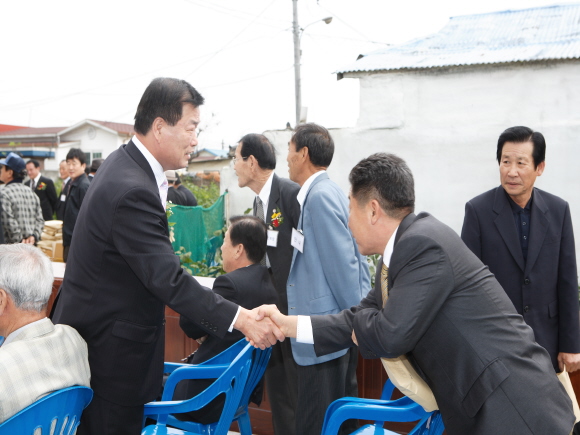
point(3, 300)
point(375, 210)
point(239, 251)
point(157, 126)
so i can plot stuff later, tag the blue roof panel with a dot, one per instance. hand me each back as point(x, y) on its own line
point(544, 33)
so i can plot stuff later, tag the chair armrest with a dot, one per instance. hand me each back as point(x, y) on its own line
point(190, 372)
point(169, 367)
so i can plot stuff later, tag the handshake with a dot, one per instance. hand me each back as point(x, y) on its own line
point(264, 326)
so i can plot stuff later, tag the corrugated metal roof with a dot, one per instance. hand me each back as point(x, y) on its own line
point(534, 34)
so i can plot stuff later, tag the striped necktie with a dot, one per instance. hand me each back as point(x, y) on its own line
point(385, 283)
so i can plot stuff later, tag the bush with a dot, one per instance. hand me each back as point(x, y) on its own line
point(205, 195)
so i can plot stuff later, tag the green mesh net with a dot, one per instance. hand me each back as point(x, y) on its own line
point(197, 231)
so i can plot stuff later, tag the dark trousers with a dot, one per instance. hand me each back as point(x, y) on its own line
point(299, 395)
point(102, 417)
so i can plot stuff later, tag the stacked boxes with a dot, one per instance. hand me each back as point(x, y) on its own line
point(51, 240)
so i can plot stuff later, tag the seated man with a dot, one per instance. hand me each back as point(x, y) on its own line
point(36, 357)
point(246, 283)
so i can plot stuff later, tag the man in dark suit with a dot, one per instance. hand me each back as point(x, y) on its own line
point(435, 302)
point(75, 194)
point(190, 199)
point(524, 235)
point(43, 187)
point(254, 163)
point(246, 283)
point(122, 269)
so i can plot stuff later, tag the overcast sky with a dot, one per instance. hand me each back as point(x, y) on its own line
point(67, 60)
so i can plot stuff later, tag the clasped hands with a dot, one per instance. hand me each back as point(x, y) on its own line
point(264, 326)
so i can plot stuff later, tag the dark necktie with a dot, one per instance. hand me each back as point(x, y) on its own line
point(32, 184)
point(260, 214)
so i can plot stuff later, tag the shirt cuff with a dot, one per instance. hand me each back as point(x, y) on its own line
point(234, 321)
point(304, 330)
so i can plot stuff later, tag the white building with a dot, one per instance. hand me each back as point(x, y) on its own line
point(50, 145)
point(441, 103)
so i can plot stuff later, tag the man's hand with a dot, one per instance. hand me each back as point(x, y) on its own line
point(570, 360)
point(286, 324)
point(260, 334)
point(29, 240)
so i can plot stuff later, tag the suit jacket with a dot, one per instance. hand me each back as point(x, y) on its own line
point(330, 275)
point(190, 199)
point(249, 287)
point(74, 200)
point(41, 359)
point(459, 329)
point(283, 197)
point(544, 289)
point(120, 274)
point(21, 213)
point(47, 195)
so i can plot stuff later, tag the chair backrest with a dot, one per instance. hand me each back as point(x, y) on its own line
point(232, 382)
point(260, 360)
point(63, 408)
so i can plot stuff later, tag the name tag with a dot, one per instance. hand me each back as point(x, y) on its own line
point(297, 240)
point(63, 197)
point(272, 238)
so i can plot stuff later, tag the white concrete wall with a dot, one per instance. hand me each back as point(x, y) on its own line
point(445, 124)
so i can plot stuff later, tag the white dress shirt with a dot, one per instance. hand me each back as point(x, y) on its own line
point(17, 332)
point(156, 167)
point(264, 194)
point(304, 324)
point(306, 186)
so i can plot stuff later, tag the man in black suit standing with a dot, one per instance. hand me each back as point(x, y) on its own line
point(76, 190)
point(114, 293)
point(524, 235)
point(190, 199)
point(246, 283)
point(435, 302)
point(43, 187)
point(254, 163)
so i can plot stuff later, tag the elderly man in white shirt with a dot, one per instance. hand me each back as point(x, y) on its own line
point(36, 356)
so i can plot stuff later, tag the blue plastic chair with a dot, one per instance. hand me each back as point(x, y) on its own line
point(231, 380)
point(399, 410)
point(65, 406)
point(260, 360)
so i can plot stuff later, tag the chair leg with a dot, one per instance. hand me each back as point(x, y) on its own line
point(244, 424)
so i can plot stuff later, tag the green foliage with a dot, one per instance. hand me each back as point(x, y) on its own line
point(200, 268)
point(205, 195)
point(58, 185)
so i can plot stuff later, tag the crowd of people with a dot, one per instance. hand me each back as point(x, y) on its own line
point(485, 320)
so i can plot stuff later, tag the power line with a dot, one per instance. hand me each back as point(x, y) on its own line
point(232, 40)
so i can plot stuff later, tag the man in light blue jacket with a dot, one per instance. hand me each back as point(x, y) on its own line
point(328, 275)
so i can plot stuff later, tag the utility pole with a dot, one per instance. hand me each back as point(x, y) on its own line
point(297, 87)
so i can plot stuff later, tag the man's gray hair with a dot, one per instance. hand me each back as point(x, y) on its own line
point(26, 275)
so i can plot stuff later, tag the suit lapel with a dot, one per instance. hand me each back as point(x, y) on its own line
point(140, 159)
point(538, 230)
point(405, 223)
point(505, 225)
